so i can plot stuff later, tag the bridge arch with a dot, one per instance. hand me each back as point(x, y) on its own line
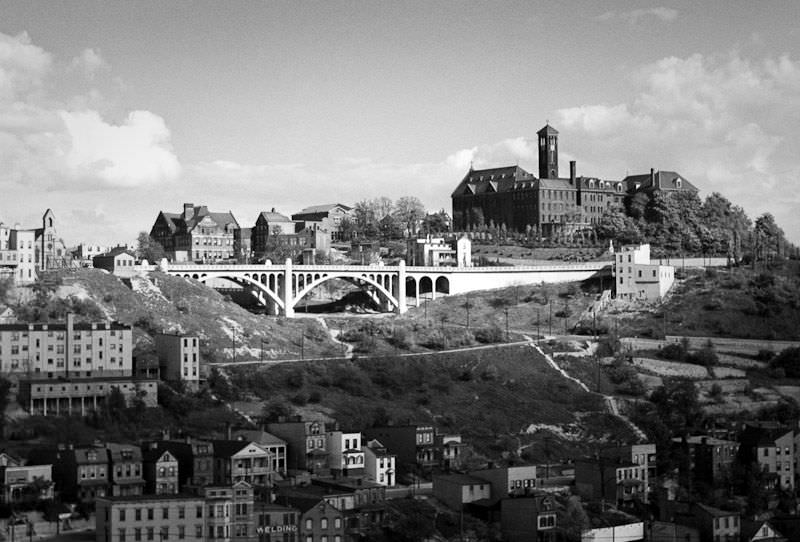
point(355, 278)
point(244, 280)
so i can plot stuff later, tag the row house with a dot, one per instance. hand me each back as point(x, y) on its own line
point(306, 444)
point(346, 458)
point(161, 470)
point(274, 445)
point(230, 512)
point(528, 518)
point(643, 456)
point(710, 458)
point(80, 473)
point(241, 461)
point(413, 445)
point(223, 513)
point(772, 447)
point(610, 479)
point(195, 459)
point(127, 476)
point(379, 464)
point(19, 482)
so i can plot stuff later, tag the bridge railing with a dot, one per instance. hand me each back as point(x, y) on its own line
point(250, 268)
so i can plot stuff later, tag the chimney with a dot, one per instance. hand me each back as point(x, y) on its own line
point(653, 178)
point(574, 181)
point(188, 211)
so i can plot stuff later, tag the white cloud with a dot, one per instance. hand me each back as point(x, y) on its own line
point(728, 123)
point(23, 66)
point(635, 16)
point(48, 143)
point(90, 62)
point(130, 154)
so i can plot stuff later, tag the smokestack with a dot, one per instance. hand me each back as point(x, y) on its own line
point(572, 172)
point(188, 211)
point(574, 181)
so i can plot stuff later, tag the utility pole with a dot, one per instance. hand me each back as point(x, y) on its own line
point(506, 311)
point(565, 317)
point(538, 324)
point(467, 307)
point(233, 340)
point(551, 318)
point(303, 344)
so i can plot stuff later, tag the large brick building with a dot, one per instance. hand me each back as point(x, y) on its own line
point(548, 205)
point(196, 234)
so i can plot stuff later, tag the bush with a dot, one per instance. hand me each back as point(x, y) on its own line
point(489, 334)
point(789, 361)
point(672, 351)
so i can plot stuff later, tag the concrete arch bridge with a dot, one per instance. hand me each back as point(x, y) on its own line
point(281, 287)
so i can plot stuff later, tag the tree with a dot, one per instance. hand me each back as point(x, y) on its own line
point(437, 222)
point(768, 235)
point(617, 226)
point(409, 211)
point(677, 406)
point(148, 248)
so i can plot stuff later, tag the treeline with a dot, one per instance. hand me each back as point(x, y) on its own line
point(680, 223)
point(384, 219)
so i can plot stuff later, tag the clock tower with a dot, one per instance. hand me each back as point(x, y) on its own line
point(548, 152)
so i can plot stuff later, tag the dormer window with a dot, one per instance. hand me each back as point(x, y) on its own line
point(678, 183)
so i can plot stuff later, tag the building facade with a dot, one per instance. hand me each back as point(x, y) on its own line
point(636, 278)
point(328, 218)
point(179, 359)
point(196, 234)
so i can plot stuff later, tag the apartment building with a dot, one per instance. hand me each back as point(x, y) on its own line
point(636, 278)
point(346, 458)
point(150, 518)
point(179, 359)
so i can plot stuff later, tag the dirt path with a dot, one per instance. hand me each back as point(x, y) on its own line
point(611, 401)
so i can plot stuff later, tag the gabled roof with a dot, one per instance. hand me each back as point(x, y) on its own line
point(229, 448)
point(500, 179)
point(327, 207)
point(118, 451)
point(259, 437)
point(272, 216)
point(665, 180)
point(156, 455)
point(751, 528)
point(116, 251)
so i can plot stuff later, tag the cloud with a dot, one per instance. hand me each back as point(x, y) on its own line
point(23, 66)
point(726, 122)
point(129, 154)
point(48, 143)
point(666, 15)
point(90, 62)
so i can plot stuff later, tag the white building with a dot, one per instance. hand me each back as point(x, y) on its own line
point(179, 359)
point(345, 454)
point(379, 464)
point(636, 278)
point(436, 252)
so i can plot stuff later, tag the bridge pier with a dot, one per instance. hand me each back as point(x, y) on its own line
point(400, 291)
point(288, 290)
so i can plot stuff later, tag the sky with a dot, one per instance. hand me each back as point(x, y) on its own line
point(113, 111)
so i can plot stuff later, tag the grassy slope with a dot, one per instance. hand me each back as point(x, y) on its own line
point(490, 396)
point(175, 304)
point(738, 303)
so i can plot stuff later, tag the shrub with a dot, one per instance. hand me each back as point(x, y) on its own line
point(489, 334)
point(672, 351)
point(299, 399)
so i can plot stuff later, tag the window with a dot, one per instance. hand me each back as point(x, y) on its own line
point(122, 514)
point(199, 511)
point(181, 512)
point(151, 533)
point(337, 523)
point(165, 513)
point(150, 513)
point(181, 532)
point(121, 535)
point(164, 532)
point(138, 514)
point(309, 524)
point(323, 523)
point(198, 531)
point(137, 534)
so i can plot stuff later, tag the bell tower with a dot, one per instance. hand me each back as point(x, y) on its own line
point(548, 152)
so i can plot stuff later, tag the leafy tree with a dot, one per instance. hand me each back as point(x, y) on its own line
point(677, 406)
point(437, 222)
point(616, 225)
point(148, 248)
point(769, 237)
point(6, 285)
point(409, 211)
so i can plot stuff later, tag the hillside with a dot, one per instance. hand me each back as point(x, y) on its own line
point(162, 303)
point(501, 398)
point(738, 302)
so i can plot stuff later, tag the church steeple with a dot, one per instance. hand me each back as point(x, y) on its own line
point(548, 152)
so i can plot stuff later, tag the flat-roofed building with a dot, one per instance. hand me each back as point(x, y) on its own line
point(150, 518)
point(179, 359)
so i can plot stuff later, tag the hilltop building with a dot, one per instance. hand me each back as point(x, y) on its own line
point(326, 217)
point(550, 205)
point(26, 252)
point(196, 234)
